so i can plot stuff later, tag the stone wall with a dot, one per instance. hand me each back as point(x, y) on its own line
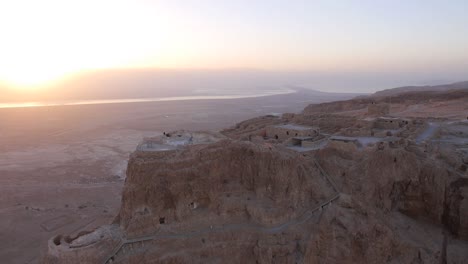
point(313, 144)
point(92, 247)
point(378, 109)
point(382, 123)
point(284, 133)
point(329, 123)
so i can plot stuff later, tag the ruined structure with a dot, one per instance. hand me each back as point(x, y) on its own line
point(378, 109)
point(390, 123)
point(201, 193)
point(345, 139)
point(245, 195)
point(178, 140)
point(200, 199)
point(309, 142)
point(287, 131)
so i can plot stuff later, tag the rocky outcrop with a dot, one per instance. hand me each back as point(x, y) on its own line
point(242, 197)
point(226, 182)
point(455, 215)
point(236, 201)
point(398, 179)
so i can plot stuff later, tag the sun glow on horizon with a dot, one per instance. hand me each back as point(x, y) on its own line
point(45, 41)
point(32, 78)
point(48, 40)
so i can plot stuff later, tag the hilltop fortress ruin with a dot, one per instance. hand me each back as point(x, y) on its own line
point(332, 184)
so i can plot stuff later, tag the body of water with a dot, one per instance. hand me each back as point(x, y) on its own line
point(141, 100)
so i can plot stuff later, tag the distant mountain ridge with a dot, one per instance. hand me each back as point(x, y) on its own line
point(433, 88)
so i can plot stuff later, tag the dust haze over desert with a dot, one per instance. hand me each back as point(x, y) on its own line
point(233, 131)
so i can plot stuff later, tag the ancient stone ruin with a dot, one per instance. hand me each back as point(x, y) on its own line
point(287, 131)
point(378, 109)
point(284, 190)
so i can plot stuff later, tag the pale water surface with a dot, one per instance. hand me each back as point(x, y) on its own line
point(140, 100)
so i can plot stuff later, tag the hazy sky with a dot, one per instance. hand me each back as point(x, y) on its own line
point(43, 40)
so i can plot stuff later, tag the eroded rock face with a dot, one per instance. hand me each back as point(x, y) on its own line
point(226, 182)
point(398, 179)
point(456, 207)
point(235, 201)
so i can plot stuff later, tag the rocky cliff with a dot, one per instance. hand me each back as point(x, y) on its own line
point(226, 182)
point(241, 197)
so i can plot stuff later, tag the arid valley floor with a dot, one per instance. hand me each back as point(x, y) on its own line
point(62, 168)
point(373, 179)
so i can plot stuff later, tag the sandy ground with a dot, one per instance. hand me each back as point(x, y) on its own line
point(62, 168)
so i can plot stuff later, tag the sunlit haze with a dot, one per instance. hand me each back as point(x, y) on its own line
point(44, 41)
point(247, 131)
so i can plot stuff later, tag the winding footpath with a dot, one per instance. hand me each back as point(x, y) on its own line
point(428, 133)
point(231, 227)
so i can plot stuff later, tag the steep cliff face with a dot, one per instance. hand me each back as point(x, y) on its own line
point(353, 232)
point(226, 182)
point(361, 226)
point(240, 202)
point(455, 215)
point(399, 179)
